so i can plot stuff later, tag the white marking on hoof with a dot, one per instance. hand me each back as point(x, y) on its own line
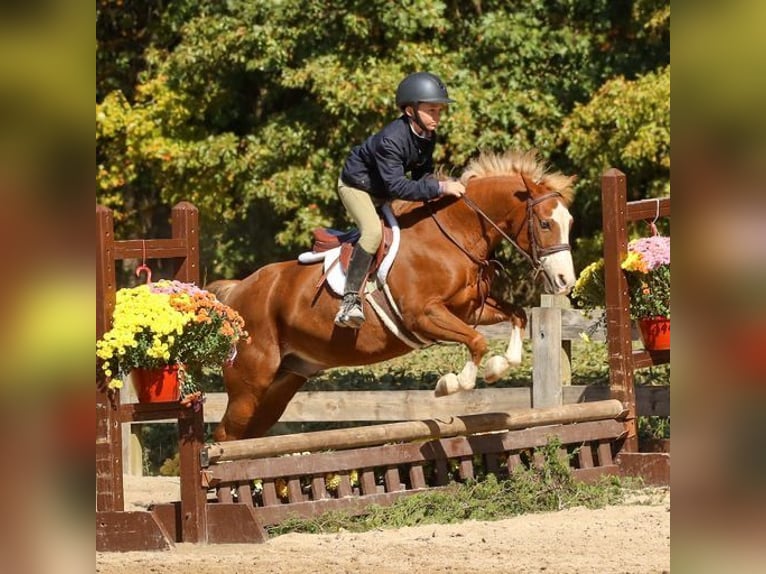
point(496, 367)
point(447, 385)
point(467, 377)
point(513, 352)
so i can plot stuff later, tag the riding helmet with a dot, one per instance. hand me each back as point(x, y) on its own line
point(421, 87)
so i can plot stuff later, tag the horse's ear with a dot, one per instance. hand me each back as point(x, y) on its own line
point(531, 186)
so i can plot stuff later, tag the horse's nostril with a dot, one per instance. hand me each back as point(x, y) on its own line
point(562, 280)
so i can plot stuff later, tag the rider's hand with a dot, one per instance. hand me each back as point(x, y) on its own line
point(452, 187)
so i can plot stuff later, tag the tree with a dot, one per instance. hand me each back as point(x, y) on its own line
point(248, 108)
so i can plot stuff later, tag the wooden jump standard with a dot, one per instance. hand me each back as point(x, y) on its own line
point(617, 213)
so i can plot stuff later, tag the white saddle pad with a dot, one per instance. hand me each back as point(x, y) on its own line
point(336, 278)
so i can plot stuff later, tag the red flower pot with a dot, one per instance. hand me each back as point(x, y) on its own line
point(156, 385)
point(655, 333)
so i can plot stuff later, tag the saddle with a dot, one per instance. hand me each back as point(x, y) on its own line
point(326, 239)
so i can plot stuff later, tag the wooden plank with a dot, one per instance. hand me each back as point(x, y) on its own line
point(585, 456)
point(344, 488)
point(294, 490)
point(392, 480)
point(245, 493)
point(465, 468)
point(234, 524)
point(417, 476)
point(150, 248)
point(411, 430)
point(367, 481)
point(269, 494)
point(223, 493)
point(399, 405)
point(647, 209)
point(604, 453)
point(643, 359)
point(269, 515)
point(396, 405)
point(318, 488)
point(321, 463)
point(130, 531)
point(653, 467)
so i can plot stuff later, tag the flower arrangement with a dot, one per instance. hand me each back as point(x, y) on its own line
point(647, 267)
point(589, 290)
point(166, 323)
point(647, 271)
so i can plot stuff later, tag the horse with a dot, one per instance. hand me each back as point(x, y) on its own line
point(440, 282)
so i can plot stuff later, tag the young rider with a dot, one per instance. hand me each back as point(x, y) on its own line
point(375, 172)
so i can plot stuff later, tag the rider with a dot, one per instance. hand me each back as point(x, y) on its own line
point(374, 173)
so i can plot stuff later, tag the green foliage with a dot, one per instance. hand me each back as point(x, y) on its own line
point(626, 124)
point(248, 108)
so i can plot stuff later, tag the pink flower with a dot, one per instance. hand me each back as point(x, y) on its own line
point(654, 251)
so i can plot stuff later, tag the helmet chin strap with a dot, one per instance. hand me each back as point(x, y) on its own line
point(416, 117)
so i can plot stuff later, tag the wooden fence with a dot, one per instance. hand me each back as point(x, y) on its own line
point(552, 328)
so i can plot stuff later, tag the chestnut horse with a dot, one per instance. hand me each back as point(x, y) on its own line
point(439, 280)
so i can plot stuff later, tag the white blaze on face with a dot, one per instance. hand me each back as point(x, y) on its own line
point(558, 266)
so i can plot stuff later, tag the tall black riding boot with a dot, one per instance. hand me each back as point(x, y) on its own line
point(351, 313)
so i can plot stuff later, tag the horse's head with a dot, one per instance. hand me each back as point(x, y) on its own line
point(539, 230)
point(548, 227)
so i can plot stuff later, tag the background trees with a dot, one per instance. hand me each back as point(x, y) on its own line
point(248, 108)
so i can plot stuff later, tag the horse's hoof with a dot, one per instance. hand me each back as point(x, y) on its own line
point(447, 385)
point(496, 367)
point(468, 384)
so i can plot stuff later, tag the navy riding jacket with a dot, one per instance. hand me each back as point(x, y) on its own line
point(378, 166)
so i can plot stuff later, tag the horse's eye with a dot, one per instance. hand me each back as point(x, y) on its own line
point(545, 224)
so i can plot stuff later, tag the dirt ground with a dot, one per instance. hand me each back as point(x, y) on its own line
point(632, 538)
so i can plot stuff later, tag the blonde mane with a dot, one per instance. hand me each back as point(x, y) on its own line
point(515, 162)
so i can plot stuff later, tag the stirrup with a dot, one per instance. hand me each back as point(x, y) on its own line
point(350, 313)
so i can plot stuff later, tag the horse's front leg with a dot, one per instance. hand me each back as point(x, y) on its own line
point(496, 312)
point(438, 323)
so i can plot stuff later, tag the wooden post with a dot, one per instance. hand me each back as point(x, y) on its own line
point(618, 327)
point(109, 490)
point(191, 439)
point(551, 354)
point(546, 352)
point(185, 225)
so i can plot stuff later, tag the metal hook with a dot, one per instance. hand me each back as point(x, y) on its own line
point(652, 224)
point(143, 267)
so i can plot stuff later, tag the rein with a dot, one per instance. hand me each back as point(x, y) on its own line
point(537, 251)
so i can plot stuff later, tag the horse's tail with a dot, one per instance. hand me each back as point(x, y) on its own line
point(222, 288)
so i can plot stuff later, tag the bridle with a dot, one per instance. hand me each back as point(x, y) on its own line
point(537, 252)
